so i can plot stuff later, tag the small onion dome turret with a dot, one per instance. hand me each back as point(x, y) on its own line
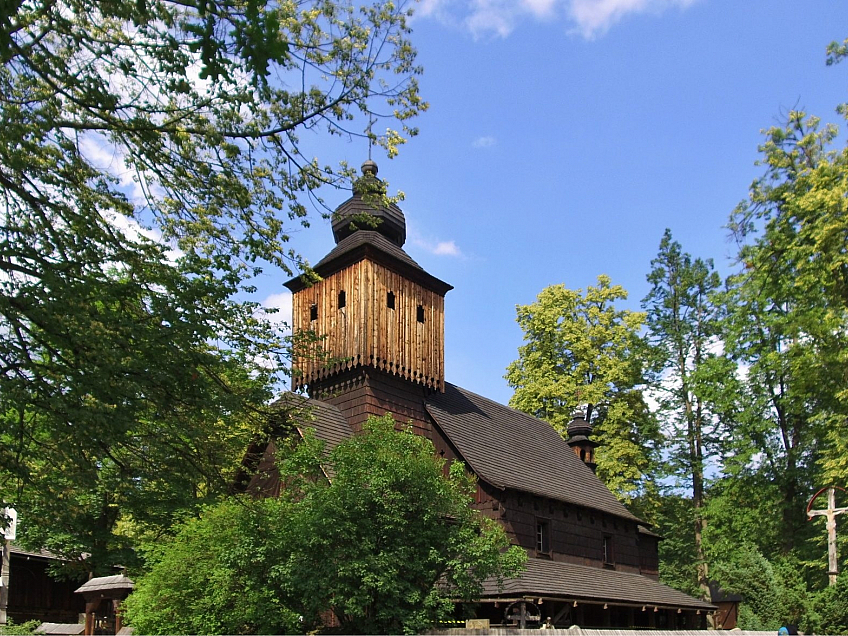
point(579, 429)
point(365, 210)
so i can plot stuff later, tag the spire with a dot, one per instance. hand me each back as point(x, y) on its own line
point(366, 210)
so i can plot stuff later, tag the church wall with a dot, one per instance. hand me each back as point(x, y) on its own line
point(360, 393)
point(649, 559)
point(574, 534)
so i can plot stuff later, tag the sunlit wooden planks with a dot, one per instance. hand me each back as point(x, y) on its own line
point(366, 331)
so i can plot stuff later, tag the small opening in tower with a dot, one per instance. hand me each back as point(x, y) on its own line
point(420, 315)
point(313, 311)
point(342, 299)
point(390, 300)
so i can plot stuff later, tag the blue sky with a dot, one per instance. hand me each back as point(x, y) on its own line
point(564, 136)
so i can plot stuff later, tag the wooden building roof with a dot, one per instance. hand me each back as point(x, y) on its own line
point(373, 245)
point(510, 449)
point(547, 579)
point(116, 582)
point(503, 447)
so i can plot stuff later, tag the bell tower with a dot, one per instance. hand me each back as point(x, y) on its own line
point(378, 316)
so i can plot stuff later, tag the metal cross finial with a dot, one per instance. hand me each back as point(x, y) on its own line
point(370, 142)
point(830, 513)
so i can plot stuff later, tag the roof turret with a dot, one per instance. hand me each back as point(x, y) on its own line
point(579, 432)
point(579, 428)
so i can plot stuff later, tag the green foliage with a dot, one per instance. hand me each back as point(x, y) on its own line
point(580, 349)
point(684, 326)
point(672, 519)
point(683, 330)
point(773, 592)
point(389, 545)
point(151, 168)
point(830, 607)
point(211, 578)
point(787, 315)
point(24, 629)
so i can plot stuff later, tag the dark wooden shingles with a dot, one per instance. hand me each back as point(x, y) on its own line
point(325, 419)
point(510, 449)
point(368, 237)
point(570, 581)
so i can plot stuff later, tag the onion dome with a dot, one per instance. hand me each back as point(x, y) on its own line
point(366, 210)
point(579, 429)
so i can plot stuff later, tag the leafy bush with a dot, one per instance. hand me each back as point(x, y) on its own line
point(831, 607)
point(10, 629)
point(212, 577)
point(773, 593)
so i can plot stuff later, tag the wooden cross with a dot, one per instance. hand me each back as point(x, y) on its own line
point(521, 614)
point(830, 513)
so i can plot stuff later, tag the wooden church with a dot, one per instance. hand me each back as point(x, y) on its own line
point(591, 562)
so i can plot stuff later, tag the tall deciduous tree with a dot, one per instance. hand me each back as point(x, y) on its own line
point(683, 323)
point(787, 311)
point(134, 128)
point(580, 350)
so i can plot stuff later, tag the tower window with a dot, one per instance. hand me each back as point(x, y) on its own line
point(543, 537)
point(420, 314)
point(313, 311)
point(390, 300)
point(342, 299)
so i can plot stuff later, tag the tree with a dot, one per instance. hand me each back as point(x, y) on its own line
point(773, 594)
point(154, 160)
point(581, 349)
point(683, 323)
point(390, 543)
point(212, 577)
point(787, 313)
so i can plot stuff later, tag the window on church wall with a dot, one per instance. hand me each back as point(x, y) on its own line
point(390, 300)
point(420, 314)
point(313, 312)
point(543, 536)
point(608, 552)
point(342, 299)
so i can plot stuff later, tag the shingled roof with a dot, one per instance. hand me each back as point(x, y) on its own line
point(580, 582)
point(330, 425)
point(372, 238)
point(326, 420)
point(106, 583)
point(373, 245)
point(510, 449)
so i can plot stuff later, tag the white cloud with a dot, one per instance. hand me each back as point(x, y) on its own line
point(588, 18)
point(540, 8)
point(594, 17)
point(446, 248)
point(439, 248)
point(484, 142)
point(283, 303)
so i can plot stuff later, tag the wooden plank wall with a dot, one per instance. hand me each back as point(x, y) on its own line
point(364, 392)
point(366, 332)
point(576, 533)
